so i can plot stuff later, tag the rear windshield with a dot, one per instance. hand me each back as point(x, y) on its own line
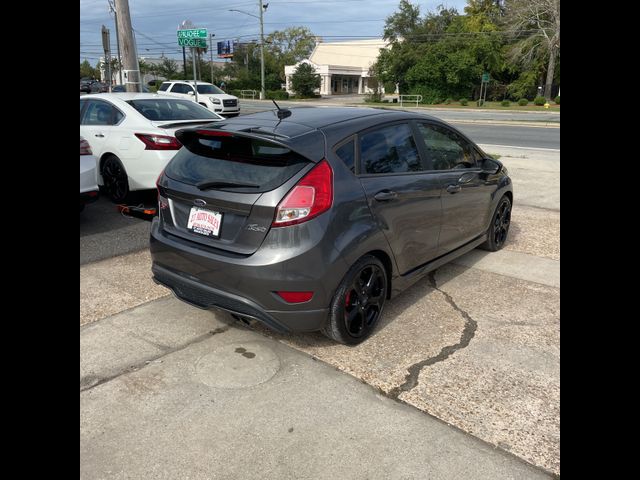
point(208, 89)
point(231, 160)
point(169, 109)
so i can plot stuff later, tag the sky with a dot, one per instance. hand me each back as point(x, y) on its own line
point(155, 22)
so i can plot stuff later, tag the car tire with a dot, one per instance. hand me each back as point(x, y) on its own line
point(358, 302)
point(115, 179)
point(499, 229)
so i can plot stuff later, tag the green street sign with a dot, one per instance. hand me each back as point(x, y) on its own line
point(193, 33)
point(485, 77)
point(192, 42)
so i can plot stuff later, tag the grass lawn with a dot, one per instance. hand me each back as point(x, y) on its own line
point(472, 105)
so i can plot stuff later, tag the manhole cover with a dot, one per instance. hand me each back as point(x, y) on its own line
point(238, 365)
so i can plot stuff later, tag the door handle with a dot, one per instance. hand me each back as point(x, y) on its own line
point(385, 195)
point(467, 177)
point(99, 135)
point(454, 188)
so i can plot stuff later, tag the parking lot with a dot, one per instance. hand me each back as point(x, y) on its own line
point(461, 379)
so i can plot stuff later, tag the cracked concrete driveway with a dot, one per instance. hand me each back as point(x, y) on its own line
point(475, 344)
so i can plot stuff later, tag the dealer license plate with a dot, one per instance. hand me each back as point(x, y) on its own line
point(204, 222)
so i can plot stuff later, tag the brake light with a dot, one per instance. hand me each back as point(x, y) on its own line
point(85, 148)
point(210, 133)
point(159, 142)
point(311, 196)
point(295, 297)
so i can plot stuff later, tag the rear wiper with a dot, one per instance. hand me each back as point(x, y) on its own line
point(222, 183)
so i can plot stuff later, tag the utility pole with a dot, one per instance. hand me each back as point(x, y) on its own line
point(211, 53)
point(106, 45)
point(112, 9)
point(129, 58)
point(262, 92)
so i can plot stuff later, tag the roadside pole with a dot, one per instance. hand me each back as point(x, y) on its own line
point(106, 45)
point(129, 58)
point(195, 77)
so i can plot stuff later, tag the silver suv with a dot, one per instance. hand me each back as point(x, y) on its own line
point(209, 96)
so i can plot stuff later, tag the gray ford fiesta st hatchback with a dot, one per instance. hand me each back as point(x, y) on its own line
point(311, 218)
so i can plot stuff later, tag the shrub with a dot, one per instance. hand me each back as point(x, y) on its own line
point(523, 102)
point(539, 101)
point(277, 95)
point(557, 100)
point(464, 101)
point(447, 101)
point(305, 81)
point(505, 103)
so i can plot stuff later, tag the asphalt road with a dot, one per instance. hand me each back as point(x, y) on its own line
point(536, 136)
point(106, 233)
point(512, 135)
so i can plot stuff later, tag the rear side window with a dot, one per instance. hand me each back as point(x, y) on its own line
point(169, 109)
point(181, 88)
point(347, 153)
point(231, 159)
point(163, 87)
point(390, 149)
point(100, 113)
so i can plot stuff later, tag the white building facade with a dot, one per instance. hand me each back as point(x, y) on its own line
point(343, 66)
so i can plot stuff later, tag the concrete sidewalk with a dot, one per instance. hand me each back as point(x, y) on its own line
point(168, 391)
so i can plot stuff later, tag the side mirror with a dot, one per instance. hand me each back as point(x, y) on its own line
point(190, 92)
point(491, 166)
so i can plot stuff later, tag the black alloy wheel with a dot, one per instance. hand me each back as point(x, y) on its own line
point(499, 229)
point(358, 302)
point(116, 181)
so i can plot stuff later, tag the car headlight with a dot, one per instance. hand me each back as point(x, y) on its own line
point(215, 100)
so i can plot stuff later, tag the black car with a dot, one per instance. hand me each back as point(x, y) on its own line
point(85, 84)
point(311, 218)
point(99, 87)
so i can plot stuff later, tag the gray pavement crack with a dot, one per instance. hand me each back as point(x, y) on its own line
point(91, 381)
point(413, 372)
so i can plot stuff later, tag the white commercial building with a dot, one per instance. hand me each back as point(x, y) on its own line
point(343, 66)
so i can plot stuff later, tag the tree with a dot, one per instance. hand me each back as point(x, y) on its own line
point(86, 70)
point(169, 69)
point(291, 44)
point(403, 22)
point(115, 67)
point(537, 26)
point(305, 80)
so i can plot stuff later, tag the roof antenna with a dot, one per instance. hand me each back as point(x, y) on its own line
point(282, 112)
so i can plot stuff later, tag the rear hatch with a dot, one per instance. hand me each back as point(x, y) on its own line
point(222, 189)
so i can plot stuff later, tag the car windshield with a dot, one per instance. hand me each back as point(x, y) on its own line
point(169, 109)
point(209, 89)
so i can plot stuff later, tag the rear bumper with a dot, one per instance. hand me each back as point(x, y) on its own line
point(203, 296)
point(245, 285)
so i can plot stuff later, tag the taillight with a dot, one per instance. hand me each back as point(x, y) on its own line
point(85, 148)
point(311, 196)
point(163, 203)
point(159, 142)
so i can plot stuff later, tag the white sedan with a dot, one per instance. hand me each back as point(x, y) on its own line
point(133, 136)
point(88, 178)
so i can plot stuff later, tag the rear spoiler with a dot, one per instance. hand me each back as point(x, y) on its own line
point(311, 146)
